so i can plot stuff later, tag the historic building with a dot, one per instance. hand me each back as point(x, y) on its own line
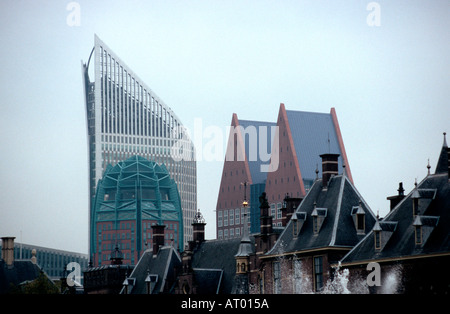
point(412, 243)
point(135, 200)
point(126, 118)
point(279, 158)
point(329, 221)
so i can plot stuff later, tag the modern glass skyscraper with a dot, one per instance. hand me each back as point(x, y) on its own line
point(125, 118)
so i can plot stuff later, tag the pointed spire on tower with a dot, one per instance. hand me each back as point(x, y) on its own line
point(443, 164)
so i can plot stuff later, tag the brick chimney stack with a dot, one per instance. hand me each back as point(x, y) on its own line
point(265, 217)
point(394, 200)
point(290, 204)
point(158, 237)
point(8, 250)
point(329, 167)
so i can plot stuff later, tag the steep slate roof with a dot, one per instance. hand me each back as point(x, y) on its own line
point(338, 228)
point(208, 280)
point(310, 133)
point(433, 208)
point(164, 265)
point(254, 165)
point(215, 256)
point(21, 271)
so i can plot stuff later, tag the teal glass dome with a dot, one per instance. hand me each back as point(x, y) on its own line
point(131, 197)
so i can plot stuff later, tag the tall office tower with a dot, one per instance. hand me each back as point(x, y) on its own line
point(281, 158)
point(125, 118)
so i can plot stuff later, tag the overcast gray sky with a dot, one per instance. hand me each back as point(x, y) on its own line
point(207, 59)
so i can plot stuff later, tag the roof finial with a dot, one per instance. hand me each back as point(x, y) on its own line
point(317, 171)
point(198, 218)
point(428, 166)
point(445, 140)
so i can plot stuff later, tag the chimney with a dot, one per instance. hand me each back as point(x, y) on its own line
point(8, 250)
point(290, 204)
point(198, 226)
point(329, 167)
point(158, 237)
point(397, 198)
point(266, 218)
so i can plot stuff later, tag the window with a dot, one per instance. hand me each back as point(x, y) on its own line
point(415, 207)
point(276, 278)
point(225, 217)
point(360, 222)
point(318, 273)
point(231, 217)
point(272, 210)
point(294, 227)
point(315, 225)
point(377, 240)
point(261, 284)
point(418, 233)
point(237, 216)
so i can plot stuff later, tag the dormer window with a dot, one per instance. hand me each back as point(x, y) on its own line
point(315, 225)
point(421, 199)
point(359, 218)
point(377, 235)
point(418, 234)
point(298, 219)
point(383, 231)
point(423, 226)
point(415, 202)
point(360, 222)
point(318, 216)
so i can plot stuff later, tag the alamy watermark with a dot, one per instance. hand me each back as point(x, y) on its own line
point(74, 17)
point(251, 143)
point(374, 17)
point(374, 277)
point(75, 274)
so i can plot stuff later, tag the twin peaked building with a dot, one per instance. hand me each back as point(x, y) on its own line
point(295, 141)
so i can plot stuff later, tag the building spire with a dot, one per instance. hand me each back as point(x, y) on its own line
point(443, 164)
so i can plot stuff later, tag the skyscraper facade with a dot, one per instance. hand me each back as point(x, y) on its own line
point(125, 118)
